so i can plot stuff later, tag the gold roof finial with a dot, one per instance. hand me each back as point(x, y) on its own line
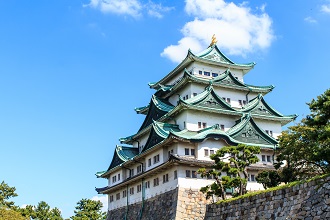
point(214, 40)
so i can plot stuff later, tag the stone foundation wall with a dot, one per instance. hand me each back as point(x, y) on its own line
point(308, 201)
point(159, 207)
point(177, 204)
point(191, 204)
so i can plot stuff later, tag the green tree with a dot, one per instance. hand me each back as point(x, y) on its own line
point(268, 178)
point(41, 212)
point(6, 193)
point(9, 214)
point(305, 148)
point(88, 209)
point(28, 211)
point(234, 162)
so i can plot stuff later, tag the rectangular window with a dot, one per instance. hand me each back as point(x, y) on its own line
point(149, 162)
point(175, 174)
point(204, 124)
point(215, 74)
point(111, 198)
point(267, 131)
point(186, 151)
point(206, 73)
point(147, 184)
point(165, 178)
point(156, 181)
point(187, 97)
point(114, 179)
point(170, 152)
point(138, 188)
point(139, 169)
point(131, 190)
point(118, 176)
point(132, 172)
point(240, 102)
point(199, 124)
point(117, 196)
point(252, 178)
point(211, 152)
point(263, 158)
point(228, 100)
point(156, 158)
point(222, 127)
point(244, 102)
point(188, 173)
point(200, 72)
point(194, 174)
point(194, 94)
point(192, 152)
point(206, 152)
point(271, 133)
point(124, 193)
point(268, 159)
point(184, 124)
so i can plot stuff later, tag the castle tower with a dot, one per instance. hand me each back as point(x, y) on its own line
point(200, 106)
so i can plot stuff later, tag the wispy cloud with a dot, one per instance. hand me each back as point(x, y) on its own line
point(325, 8)
point(134, 8)
point(121, 7)
point(157, 10)
point(104, 200)
point(239, 31)
point(310, 20)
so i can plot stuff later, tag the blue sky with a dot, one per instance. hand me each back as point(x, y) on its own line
point(72, 72)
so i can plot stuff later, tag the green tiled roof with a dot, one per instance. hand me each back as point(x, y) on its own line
point(214, 54)
point(258, 106)
point(226, 79)
point(247, 131)
point(208, 99)
point(121, 155)
point(157, 108)
point(211, 55)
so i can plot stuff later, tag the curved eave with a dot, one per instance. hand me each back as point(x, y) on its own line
point(284, 119)
point(244, 67)
point(188, 77)
point(185, 62)
point(229, 61)
point(142, 110)
point(241, 125)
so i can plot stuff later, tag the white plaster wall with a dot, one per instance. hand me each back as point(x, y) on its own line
point(143, 139)
point(266, 153)
point(161, 159)
point(193, 117)
point(209, 144)
point(181, 118)
point(215, 69)
point(274, 126)
point(181, 148)
point(111, 183)
point(193, 183)
point(149, 192)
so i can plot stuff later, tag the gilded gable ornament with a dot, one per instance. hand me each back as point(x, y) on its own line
point(213, 41)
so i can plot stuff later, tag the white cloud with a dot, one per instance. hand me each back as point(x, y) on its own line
point(122, 7)
point(310, 20)
point(238, 30)
point(156, 10)
point(325, 8)
point(133, 8)
point(104, 200)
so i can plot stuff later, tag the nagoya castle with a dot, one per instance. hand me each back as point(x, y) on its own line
point(200, 106)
